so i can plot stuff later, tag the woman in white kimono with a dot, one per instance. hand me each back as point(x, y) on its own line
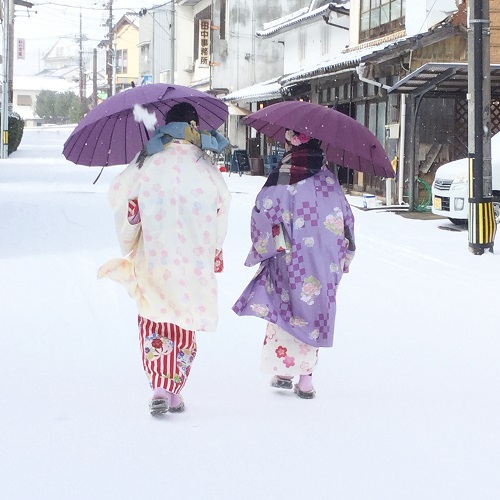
point(171, 208)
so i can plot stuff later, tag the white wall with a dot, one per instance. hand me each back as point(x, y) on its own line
point(184, 31)
point(316, 52)
point(246, 59)
point(199, 73)
point(422, 15)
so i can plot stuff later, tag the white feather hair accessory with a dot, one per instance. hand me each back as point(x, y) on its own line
point(141, 114)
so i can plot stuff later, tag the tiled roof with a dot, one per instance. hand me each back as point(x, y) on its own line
point(346, 59)
point(301, 16)
point(353, 56)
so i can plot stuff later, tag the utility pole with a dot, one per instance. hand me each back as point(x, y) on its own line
point(82, 73)
point(10, 21)
point(5, 81)
point(113, 86)
point(94, 79)
point(172, 44)
point(7, 18)
point(110, 59)
point(482, 224)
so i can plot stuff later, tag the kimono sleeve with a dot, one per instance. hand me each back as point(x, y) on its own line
point(223, 203)
point(124, 188)
point(349, 235)
point(265, 232)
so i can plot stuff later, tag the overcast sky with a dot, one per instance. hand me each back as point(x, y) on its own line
point(49, 19)
point(41, 25)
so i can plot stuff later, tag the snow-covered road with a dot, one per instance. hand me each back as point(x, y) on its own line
point(407, 400)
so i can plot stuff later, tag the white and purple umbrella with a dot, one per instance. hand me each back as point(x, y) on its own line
point(345, 141)
point(110, 135)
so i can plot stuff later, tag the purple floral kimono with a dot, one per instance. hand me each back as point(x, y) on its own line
point(303, 238)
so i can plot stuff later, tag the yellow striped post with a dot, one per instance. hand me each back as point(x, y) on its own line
point(482, 223)
point(482, 226)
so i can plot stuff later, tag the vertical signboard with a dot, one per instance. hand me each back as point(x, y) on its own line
point(21, 48)
point(204, 48)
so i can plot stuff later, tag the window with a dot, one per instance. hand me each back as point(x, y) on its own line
point(145, 63)
point(121, 61)
point(381, 17)
point(222, 31)
point(24, 100)
point(361, 112)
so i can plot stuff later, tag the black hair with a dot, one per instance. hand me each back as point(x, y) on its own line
point(182, 112)
point(310, 144)
point(314, 144)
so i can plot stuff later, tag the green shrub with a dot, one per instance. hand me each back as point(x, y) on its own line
point(59, 107)
point(16, 129)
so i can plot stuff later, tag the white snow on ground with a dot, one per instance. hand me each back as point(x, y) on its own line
point(407, 403)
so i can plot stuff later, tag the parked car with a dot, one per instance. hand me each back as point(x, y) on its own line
point(450, 189)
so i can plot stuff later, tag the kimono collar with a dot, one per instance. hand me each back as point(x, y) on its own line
point(296, 165)
point(206, 140)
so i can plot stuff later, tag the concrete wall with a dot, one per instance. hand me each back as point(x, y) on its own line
point(245, 59)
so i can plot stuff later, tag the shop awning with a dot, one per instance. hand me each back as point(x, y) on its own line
point(237, 111)
point(265, 91)
point(445, 80)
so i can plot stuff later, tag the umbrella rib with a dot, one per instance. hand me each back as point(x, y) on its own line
point(86, 140)
point(75, 141)
point(214, 103)
point(109, 148)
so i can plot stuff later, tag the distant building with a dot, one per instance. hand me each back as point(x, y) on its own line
point(126, 41)
point(64, 53)
point(26, 91)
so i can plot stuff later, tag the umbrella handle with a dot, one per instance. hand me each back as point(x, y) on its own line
point(97, 178)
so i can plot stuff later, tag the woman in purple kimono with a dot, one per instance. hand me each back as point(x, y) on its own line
point(302, 231)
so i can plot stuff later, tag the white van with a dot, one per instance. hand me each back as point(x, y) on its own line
point(450, 189)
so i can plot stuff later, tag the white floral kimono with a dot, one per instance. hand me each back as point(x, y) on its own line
point(168, 266)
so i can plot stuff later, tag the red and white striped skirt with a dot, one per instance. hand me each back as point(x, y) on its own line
point(168, 352)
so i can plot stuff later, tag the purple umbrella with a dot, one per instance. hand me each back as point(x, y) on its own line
point(344, 140)
point(109, 134)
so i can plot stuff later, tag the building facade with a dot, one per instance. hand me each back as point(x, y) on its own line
point(356, 57)
point(388, 42)
point(126, 53)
